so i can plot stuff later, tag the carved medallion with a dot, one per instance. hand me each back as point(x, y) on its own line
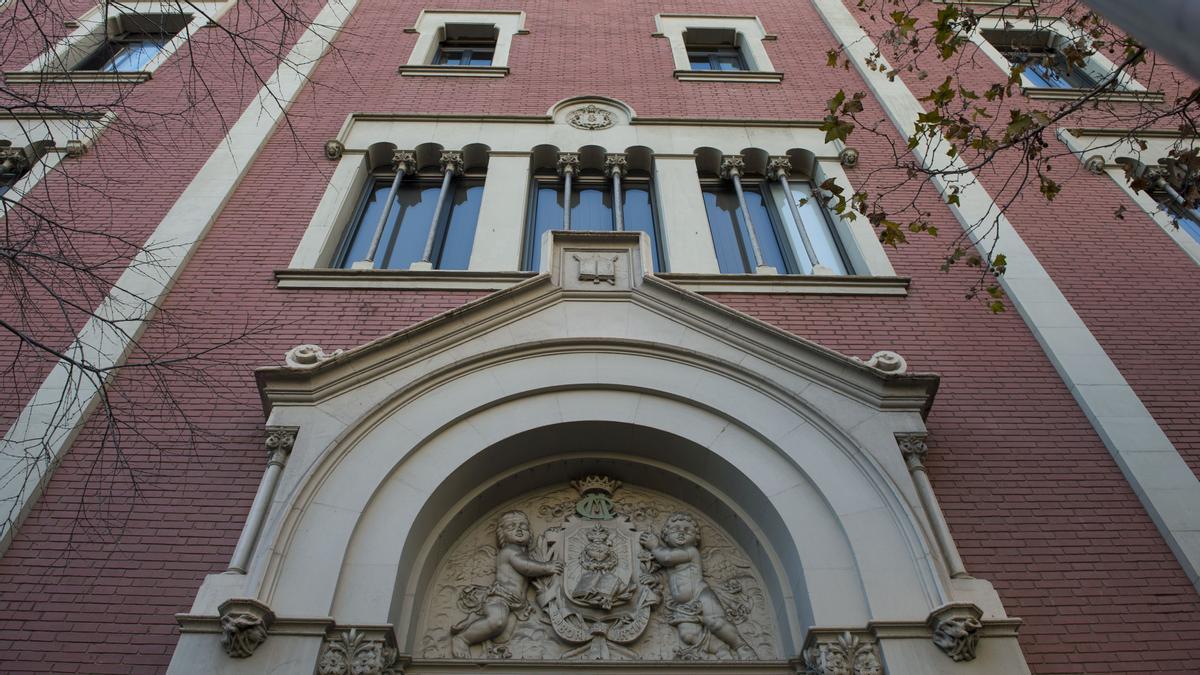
point(628, 576)
point(591, 117)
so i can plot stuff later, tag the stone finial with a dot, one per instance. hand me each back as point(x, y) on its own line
point(616, 163)
point(568, 163)
point(1094, 164)
point(848, 158)
point(779, 166)
point(405, 160)
point(732, 165)
point(334, 149)
point(956, 629)
point(307, 356)
point(846, 654)
point(355, 651)
point(888, 362)
point(913, 448)
point(452, 162)
point(244, 626)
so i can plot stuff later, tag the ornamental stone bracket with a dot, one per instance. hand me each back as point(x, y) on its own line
point(360, 650)
point(956, 629)
point(839, 652)
point(888, 362)
point(244, 626)
point(307, 356)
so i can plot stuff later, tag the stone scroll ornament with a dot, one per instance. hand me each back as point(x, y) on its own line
point(596, 586)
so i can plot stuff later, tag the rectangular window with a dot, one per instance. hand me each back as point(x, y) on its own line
point(714, 49)
point(466, 45)
point(779, 236)
point(406, 230)
point(1185, 219)
point(133, 41)
point(1045, 65)
point(591, 210)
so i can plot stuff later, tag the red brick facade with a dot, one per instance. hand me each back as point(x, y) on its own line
point(1035, 501)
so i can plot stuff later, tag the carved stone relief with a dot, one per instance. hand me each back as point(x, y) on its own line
point(591, 117)
point(357, 652)
point(597, 571)
point(845, 654)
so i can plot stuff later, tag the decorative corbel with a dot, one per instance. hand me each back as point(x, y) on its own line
point(956, 629)
point(244, 626)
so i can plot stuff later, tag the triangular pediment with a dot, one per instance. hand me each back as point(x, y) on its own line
point(595, 291)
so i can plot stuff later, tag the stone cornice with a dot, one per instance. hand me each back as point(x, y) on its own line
point(74, 77)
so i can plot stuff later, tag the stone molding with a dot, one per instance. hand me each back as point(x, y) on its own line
point(244, 626)
point(956, 629)
point(759, 76)
point(1065, 94)
point(429, 70)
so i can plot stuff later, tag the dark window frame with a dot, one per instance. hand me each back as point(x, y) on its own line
point(761, 186)
point(714, 54)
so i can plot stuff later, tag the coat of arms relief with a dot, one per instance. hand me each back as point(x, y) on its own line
point(614, 573)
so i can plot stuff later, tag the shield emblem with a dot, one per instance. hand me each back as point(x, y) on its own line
point(600, 561)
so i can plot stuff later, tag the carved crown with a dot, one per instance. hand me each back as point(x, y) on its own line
point(596, 484)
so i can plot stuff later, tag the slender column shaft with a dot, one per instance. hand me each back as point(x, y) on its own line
point(914, 450)
point(787, 195)
point(279, 442)
point(437, 213)
point(1173, 194)
point(618, 216)
point(567, 201)
point(737, 187)
point(404, 162)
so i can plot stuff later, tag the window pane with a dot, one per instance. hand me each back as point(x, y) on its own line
point(699, 62)
point(133, 56)
point(481, 58)
point(1043, 76)
point(727, 62)
point(460, 228)
point(547, 215)
point(591, 210)
point(639, 217)
point(763, 227)
point(816, 224)
point(404, 234)
point(733, 254)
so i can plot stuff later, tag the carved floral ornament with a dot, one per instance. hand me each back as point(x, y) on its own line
point(357, 652)
point(845, 654)
point(599, 571)
point(591, 117)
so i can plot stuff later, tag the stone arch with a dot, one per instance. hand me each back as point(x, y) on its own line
point(860, 553)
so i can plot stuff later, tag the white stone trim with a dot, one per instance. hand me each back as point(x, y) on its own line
point(750, 31)
point(499, 236)
point(431, 26)
point(22, 131)
point(60, 406)
point(58, 61)
point(1164, 483)
point(1110, 149)
point(1097, 66)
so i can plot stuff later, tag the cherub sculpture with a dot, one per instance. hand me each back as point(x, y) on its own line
point(507, 594)
point(691, 605)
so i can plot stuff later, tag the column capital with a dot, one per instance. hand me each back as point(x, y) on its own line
point(452, 162)
point(732, 165)
point(616, 163)
point(279, 442)
point(779, 166)
point(913, 448)
point(405, 160)
point(568, 163)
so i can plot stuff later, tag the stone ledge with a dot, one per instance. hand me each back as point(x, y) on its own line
point(789, 283)
point(399, 279)
point(492, 281)
point(74, 77)
point(425, 70)
point(1057, 94)
point(465, 666)
point(728, 76)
